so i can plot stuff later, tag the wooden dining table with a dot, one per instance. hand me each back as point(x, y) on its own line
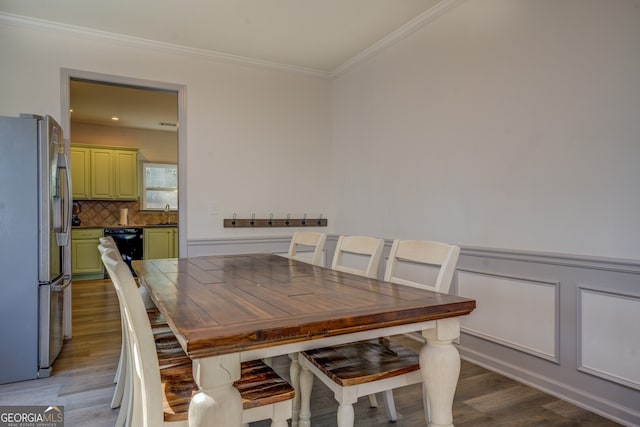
point(228, 309)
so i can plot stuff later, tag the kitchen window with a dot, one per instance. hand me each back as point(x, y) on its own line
point(159, 186)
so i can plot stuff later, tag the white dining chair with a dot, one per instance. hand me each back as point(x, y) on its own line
point(364, 250)
point(161, 397)
point(167, 346)
point(368, 252)
point(310, 240)
point(116, 400)
point(367, 367)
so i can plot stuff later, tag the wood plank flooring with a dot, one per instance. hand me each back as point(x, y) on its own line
point(83, 382)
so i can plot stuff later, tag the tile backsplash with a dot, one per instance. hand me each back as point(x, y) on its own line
point(105, 213)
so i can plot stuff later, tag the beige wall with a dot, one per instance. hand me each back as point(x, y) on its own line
point(504, 123)
point(257, 139)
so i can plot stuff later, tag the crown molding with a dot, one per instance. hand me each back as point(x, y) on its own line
point(410, 27)
point(41, 24)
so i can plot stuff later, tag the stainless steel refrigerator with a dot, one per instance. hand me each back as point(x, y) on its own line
point(35, 224)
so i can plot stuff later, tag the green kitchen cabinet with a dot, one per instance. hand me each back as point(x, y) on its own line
point(85, 257)
point(160, 242)
point(125, 174)
point(81, 176)
point(103, 173)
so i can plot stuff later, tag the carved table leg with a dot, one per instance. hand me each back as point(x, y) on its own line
point(294, 373)
point(218, 403)
point(440, 366)
point(347, 398)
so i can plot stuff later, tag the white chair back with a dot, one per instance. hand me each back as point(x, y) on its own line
point(426, 253)
point(358, 246)
point(108, 241)
point(309, 239)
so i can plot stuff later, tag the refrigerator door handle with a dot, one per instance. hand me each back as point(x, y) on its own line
point(63, 235)
point(62, 287)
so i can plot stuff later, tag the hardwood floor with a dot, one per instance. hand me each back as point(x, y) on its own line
point(83, 383)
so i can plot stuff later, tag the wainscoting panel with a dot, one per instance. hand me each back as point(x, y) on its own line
point(595, 306)
point(609, 337)
point(509, 312)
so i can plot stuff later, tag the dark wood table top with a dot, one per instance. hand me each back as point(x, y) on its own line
point(226, 304)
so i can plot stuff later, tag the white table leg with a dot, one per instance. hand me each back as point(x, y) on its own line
point(218, 403)
point(345, 414)
point(294, 374)
point(306, 384)
point(440, 366)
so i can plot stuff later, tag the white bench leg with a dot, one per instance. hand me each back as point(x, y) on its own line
point(294, 374)
point(306, 384)
point(373, 402)
point(390, 404)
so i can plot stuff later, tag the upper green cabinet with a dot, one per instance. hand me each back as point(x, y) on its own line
point(100, 173)
point(125, 178)
point(80, 172)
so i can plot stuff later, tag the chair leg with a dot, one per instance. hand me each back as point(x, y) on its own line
point(116, 377)
point(425, 404)
point(119, 377)
point(390, 404)
point(126, 407)
point(294, 375)
point(120, 381)
point(373, 402)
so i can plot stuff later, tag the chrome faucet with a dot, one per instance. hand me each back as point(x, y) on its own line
point(167, 211)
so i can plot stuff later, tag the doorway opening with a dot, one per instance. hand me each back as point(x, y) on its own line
point(107, 110)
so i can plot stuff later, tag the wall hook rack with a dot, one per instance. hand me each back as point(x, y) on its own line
point(254, 222)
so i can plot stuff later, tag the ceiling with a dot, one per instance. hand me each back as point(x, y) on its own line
point(97, 104)
point(316, 36)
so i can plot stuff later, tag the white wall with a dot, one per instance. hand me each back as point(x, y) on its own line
point(257, 139)
point(504, 123)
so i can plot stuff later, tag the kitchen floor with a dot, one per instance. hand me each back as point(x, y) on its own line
point(83, 383)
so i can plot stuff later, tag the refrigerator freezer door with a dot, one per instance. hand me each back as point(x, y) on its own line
point(51, 318)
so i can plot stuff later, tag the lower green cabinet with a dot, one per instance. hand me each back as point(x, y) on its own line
point(85, 257)
point(160, 242)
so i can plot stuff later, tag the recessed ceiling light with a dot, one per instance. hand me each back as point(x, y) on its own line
point(115, 119)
